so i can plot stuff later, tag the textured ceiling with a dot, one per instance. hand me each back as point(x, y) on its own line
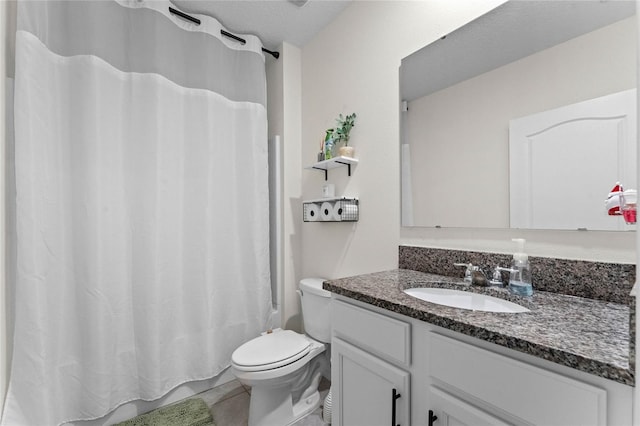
point(508, 33)
point(274, 21)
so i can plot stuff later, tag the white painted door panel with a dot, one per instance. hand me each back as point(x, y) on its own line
point(363, 388)
point(564, 162)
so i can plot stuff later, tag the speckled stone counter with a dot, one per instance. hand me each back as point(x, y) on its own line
point(585, 334)
point(610, 282)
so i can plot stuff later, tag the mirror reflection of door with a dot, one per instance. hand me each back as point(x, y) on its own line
point(461, 93)
point(564, 161)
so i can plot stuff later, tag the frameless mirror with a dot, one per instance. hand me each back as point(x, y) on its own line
point(505, 122)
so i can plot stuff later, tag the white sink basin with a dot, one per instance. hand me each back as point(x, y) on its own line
point(465, 300)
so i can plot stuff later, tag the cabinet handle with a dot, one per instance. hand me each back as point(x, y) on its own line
point(432, 418)
point(394, 396)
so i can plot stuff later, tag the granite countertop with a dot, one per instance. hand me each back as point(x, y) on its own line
point(586, 334)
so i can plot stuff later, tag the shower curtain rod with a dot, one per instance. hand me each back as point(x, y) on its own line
point(223, 32)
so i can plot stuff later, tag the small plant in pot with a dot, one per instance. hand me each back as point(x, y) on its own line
point(342, 133)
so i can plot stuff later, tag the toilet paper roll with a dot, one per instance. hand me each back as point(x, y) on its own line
point(312, 212)
point(326, 211)
point(350, 212)
point(337, 211)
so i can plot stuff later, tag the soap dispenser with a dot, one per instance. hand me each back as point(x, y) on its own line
point(520, 274)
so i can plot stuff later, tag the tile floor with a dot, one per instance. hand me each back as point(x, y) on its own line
point(229, 405)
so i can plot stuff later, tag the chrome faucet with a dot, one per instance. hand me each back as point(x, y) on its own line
point(474, 275)
point(496, 278)
point(467, 273)
point(497, 275)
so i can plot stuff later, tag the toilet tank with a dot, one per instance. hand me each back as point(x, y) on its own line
point(315, 309)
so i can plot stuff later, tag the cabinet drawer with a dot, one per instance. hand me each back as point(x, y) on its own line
point(386, 337)
point(530, 393)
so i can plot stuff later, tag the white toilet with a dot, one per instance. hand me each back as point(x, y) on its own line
point(284, 368)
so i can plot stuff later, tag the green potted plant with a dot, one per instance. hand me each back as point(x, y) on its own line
point(342, 134)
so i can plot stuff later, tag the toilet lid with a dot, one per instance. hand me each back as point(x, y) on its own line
point(271, 351)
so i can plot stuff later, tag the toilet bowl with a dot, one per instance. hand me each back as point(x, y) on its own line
point(283, 367)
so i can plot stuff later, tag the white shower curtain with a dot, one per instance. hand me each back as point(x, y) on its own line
point(142, 205)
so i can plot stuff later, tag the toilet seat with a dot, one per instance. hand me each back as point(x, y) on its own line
point(271, 351)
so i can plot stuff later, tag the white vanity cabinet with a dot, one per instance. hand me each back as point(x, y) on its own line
point(458, 379)
point(369, 361)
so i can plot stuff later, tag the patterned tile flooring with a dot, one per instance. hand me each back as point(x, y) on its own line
point(230, 405)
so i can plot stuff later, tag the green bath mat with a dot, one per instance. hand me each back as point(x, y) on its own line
point(192, 412)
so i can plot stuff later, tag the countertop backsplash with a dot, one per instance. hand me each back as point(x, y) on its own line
point(611, 282)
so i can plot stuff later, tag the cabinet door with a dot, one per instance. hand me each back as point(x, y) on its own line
point(451, 411)
point(367, 391)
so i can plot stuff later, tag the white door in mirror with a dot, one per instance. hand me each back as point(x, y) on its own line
point(571, 196)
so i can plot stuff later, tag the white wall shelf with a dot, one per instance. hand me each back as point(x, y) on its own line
point(332, 163)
